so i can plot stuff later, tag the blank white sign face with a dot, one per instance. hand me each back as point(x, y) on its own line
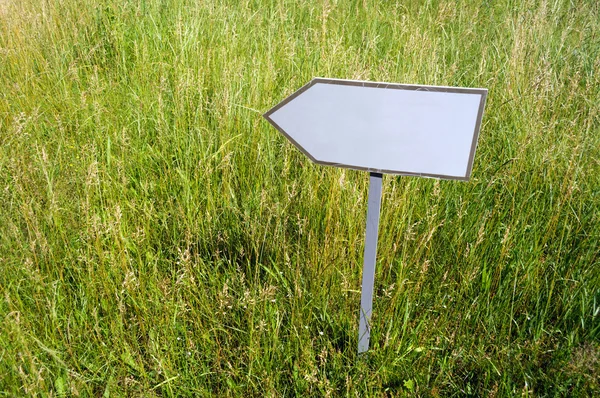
point(381, 127)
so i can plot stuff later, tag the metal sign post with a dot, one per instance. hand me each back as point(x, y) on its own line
point(413, 130)
point(368, 277)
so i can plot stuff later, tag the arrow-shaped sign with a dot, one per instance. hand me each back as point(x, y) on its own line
point(428, 131)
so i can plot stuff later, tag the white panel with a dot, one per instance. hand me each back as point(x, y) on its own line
point(390, 129)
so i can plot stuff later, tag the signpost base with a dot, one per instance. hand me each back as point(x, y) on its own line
point(368, 277)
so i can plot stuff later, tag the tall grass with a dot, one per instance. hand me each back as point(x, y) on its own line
point(158, 238)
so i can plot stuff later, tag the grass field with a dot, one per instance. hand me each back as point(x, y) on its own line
point(159, 238)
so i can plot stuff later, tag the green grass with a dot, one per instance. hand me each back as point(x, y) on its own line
point(159, 238)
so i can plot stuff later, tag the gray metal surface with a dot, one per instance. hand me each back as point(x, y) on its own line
point(368, 277)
